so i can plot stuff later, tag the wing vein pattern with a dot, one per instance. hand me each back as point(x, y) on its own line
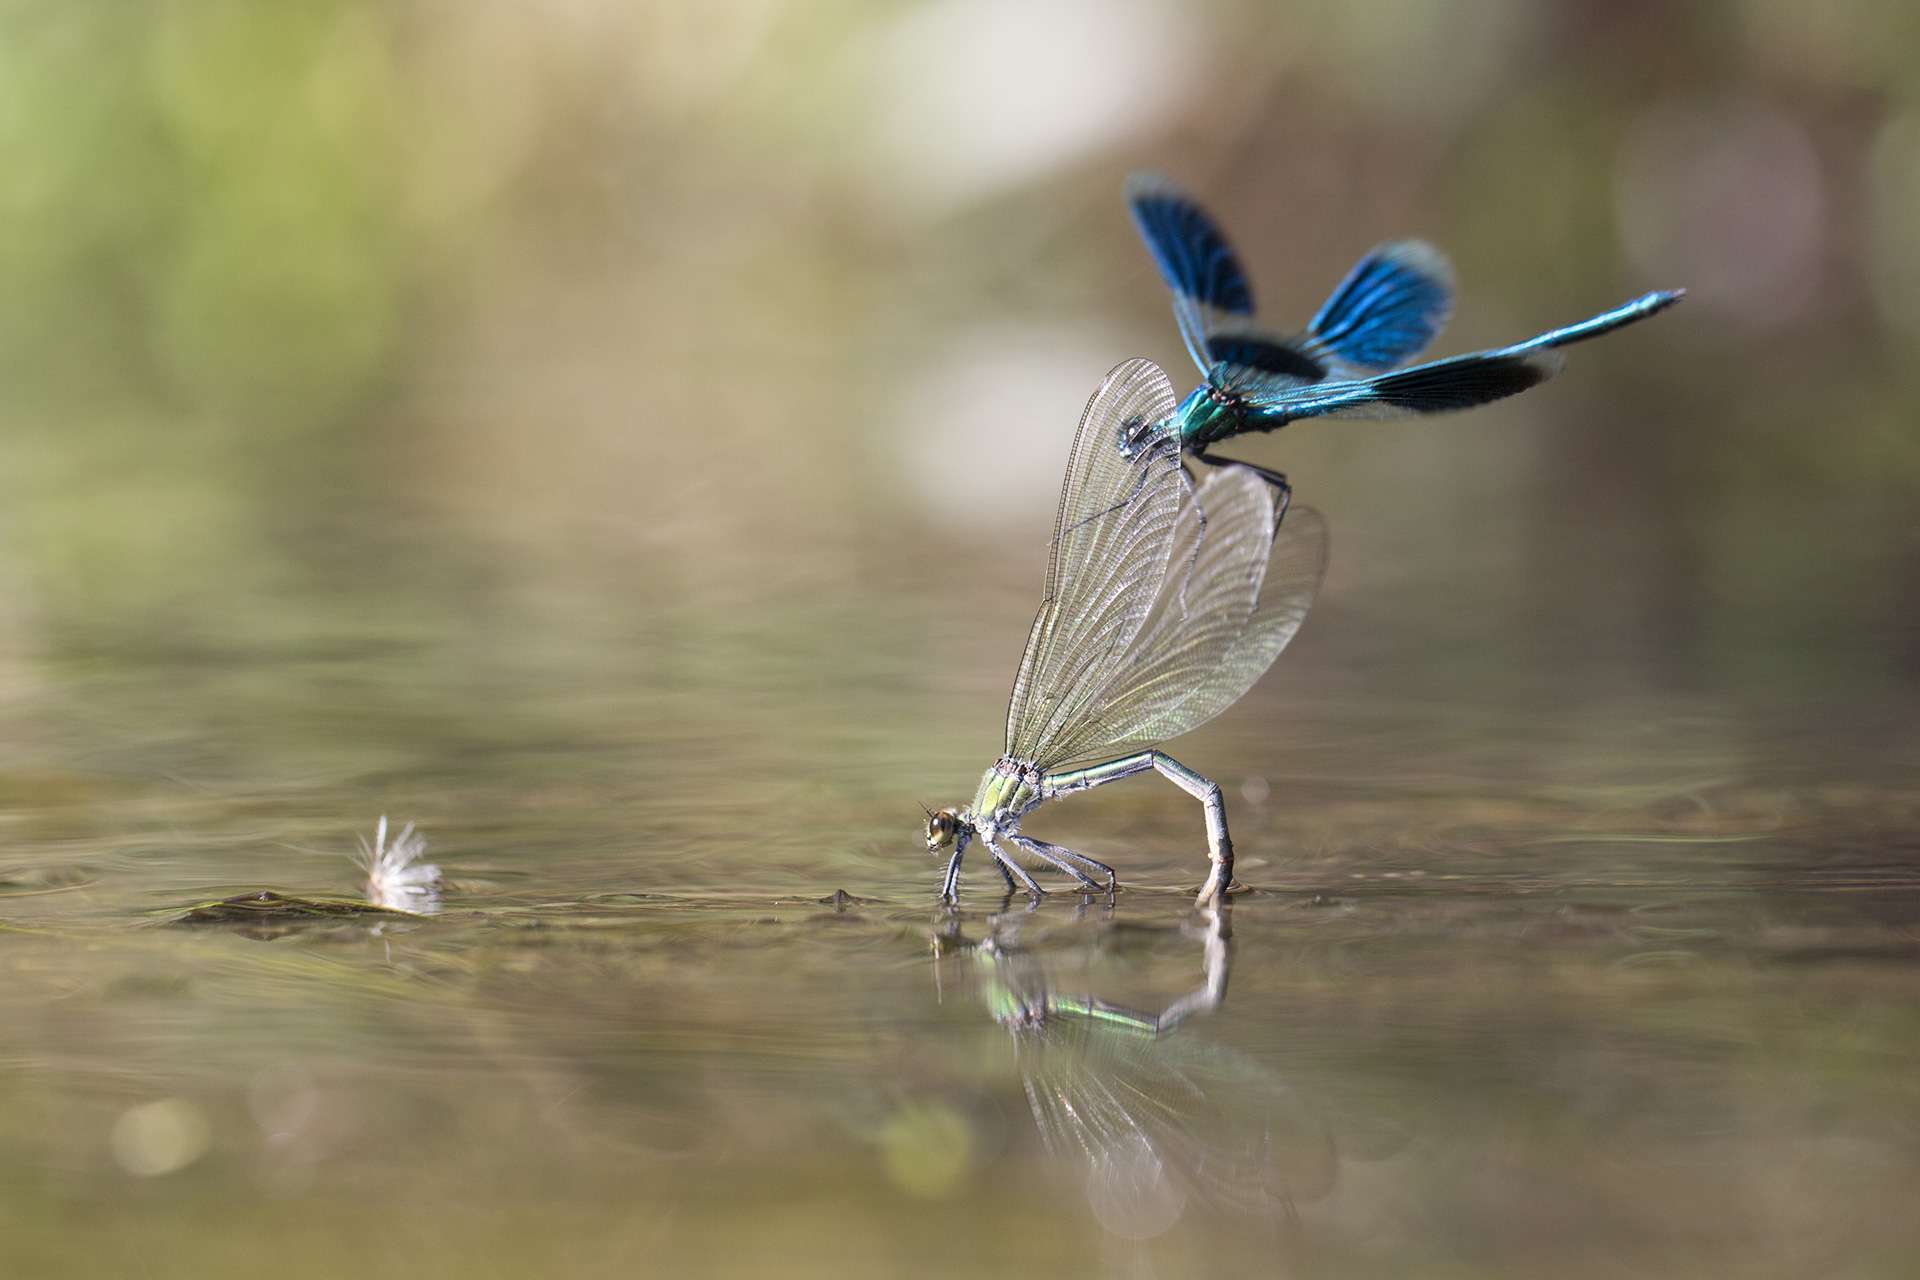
point(1154, 620)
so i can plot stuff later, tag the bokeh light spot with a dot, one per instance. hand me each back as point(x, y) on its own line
point(157, 1138)
point(1893, 214)
point(928, 1149)
point(1726, 198)
point(972, 98)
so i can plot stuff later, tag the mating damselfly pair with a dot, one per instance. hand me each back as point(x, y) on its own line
point(1167, 598)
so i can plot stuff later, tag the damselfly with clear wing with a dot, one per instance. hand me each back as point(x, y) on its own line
point(1156, 618)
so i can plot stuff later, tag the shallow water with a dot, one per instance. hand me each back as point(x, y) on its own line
point(624, 444)
point(1518, 1005)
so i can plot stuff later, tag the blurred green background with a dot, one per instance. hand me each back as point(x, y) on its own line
point(478, 326)
point(622, 437)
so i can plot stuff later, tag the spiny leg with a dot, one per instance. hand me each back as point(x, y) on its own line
point(1094, 866)
point(1050, 854)
point(1206, 791)
point(1035, 848)
point(1014, 870)
point(950, 886)
point(1078, 862)
point(1005, 875)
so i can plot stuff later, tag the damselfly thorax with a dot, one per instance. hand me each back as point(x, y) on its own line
point(1008, 791)
point(1209, 414)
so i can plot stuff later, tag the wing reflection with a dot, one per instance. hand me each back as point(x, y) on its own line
point(1160, 1120)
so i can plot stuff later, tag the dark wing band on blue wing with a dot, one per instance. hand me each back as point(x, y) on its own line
point(1441, 386)
point(1263, 355)
point(1390, 306)
point(1194, 258)
point(1463, 382)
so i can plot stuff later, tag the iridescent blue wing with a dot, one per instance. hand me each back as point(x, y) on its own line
point(1261, 370)
point(1461, 382)
point(1252, 359)
point(1442, 386)
point(1390, 306)
point(1194, 258)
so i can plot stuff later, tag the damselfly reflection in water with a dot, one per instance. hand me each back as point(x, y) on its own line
point(1161, 1119)
point(1346, 363)
point(1156, 618)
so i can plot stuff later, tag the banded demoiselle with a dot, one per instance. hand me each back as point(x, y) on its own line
point(1155, 619)
point(1346, 364)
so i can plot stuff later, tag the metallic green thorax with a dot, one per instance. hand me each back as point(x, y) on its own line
point(1007, 787)
point(1208, 416)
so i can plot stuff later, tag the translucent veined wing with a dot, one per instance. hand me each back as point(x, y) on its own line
point(1155, 1119)
point(1389, 307)
point(1111, 540)
point(1458, 382)
point(1163, 1120)
point(1235, 595)
point(1194, 257)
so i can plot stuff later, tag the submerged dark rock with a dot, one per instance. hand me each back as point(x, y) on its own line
point(268, 907)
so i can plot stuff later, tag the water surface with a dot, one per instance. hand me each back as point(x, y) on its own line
point(690, 1005)
point(624, 443)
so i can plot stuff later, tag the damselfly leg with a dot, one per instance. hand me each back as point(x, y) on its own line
point(1094, 867)
point(950, 884)
point(1005, 875)
point(1064, 859)
point(1277, 479)
point(1014, 871)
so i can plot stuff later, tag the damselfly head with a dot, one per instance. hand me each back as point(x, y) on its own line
point(942, 826)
